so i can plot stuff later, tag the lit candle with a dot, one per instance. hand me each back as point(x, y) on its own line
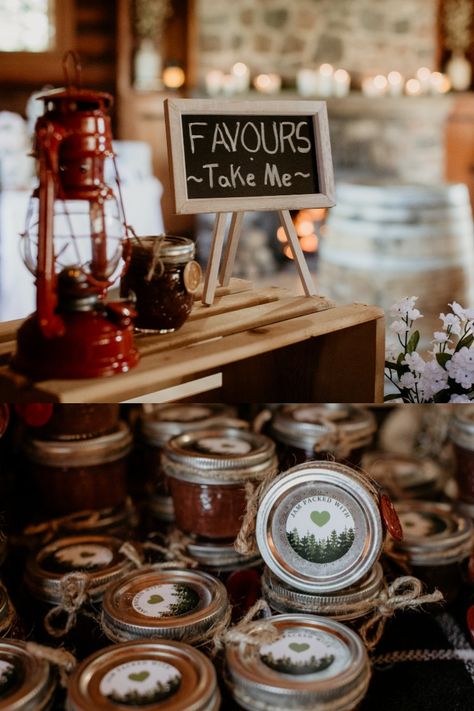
point(440, 83)
point(342, 82)
point(413, 87)
point(214, 82)
point(395, 83)
point(307, 81)
point(326, 72)
point(242, 76)
point(230, 84)
point(267, 83)
point(173, 77)
point(424, 77)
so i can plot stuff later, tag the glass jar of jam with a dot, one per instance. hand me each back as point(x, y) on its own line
point(27, 683)
point(161, 279)
point(437, 541)
point(316, 663)
point(155, 429)
point(319, 527)
point(161, 676)
point(461, 432)
point(70, 422)
point(73, 476)
point(220, 558)
point(343, 605)
point(405, 476)
point(207, 471)
point(176, 604)
point(334, 431)
point(10, 625)
point(102, 562)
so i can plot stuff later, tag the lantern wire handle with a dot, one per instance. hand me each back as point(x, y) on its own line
point(77, 66)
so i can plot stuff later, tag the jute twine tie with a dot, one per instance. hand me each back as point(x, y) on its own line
point(74, 594)
point(156, 260)
point(249, 631)
point(245, 543)
point(339, 440)
point(49, 529)
point(60, 658)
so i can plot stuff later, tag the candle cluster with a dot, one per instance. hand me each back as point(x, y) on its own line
point(394, 84)
point(324, 81)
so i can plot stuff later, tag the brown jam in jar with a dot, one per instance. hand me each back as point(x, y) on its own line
point(27, 683)
point(87, 564)
point(73, 476)
point(462, 437)
point(405, 476)
point(207, 472)
point(183, 605)
point(161, 675)
point(156, 428)
point(305, 432)
point(437, 542)
point(316, 663)
point(69, 422)
point(161, 278)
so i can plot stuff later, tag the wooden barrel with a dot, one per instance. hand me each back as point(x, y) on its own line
point(387, 241)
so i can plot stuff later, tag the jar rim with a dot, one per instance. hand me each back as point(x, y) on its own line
point(156, 427)
point(421, 470)
point(36, 691)
point(173, 249)
point(461, 426)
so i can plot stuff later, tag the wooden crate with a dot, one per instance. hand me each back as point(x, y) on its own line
point(251, 345)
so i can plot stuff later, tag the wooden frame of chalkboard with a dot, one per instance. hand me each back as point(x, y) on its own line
point(259, 155)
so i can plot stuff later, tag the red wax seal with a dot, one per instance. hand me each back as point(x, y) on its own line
point(470, 622)
point(390, 518)
point(35, 414)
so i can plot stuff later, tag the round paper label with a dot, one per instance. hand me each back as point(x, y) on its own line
point(307, 651)
point(192, 276)
point(166, 600)
point(223, 445)
point(140, 683)
point(320, 529)
point(309, 414)
point(419, 524)
point(87, 556)
point(8, 678)
point(182, 413)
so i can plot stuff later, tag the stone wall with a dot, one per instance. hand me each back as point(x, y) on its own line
point(363, 36)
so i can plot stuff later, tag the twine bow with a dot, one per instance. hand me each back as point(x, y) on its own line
point(60, 658)
point(405, 593)
point(340, 441)
point(249, 631)
point(73, 591)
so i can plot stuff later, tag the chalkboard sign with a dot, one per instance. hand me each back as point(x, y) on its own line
point(252, 155)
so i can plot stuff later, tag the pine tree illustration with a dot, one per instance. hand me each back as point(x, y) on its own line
point(188, 599)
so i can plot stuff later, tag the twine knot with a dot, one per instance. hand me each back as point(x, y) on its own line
point(60, 658)
point(130, 552)
point(249, 631)
point(73, 592)
point(338, 440)
point(156, 261)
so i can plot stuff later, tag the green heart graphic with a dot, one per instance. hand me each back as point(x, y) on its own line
point(320, 517)
point(87, 554)
point(139, 676)
point(297, 647)
point(155, 599)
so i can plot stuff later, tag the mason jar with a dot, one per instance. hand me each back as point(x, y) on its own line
point(304, 432)
point(316, 663)
point(461, 432)
point(27, 683)
point(405, 476)
point(70, 422)
point(207, 472)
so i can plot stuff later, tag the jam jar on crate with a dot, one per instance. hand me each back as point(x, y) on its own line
point(304, 432)
point(161, 278)
point(316, 663)
point(405, 476)
point(27, 683)
point(207, 471)
point(437, 542)
point(161, 675)
point(462, 436)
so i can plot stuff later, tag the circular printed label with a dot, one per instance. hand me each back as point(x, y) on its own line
point(83, 555)
point(182, 413)
point(420, 524)
point(140, 682)
point(166, 600)
point(192, 276)
point(223, 445)
point(307, 651)
point(320, 529)
point(8, 678)
point(309, 414)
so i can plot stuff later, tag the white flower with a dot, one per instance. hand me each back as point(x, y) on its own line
point(461, 367)
point(392, 353)
point(415, 362)
point(399, 327)
point(433, 379)
point(459, 398)
point(458, 310)
point(450, 320)
point(404, 306)
point(440, 337)
point(414, 314)
point(408, 380)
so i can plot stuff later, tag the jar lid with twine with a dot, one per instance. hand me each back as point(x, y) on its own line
point(318, 526)
point(185, 605)
point(160, 250)
point(80, 453)
point(158, 424)
point(225, 455)
point(434, 534)
point(404, 476)
point(335, 428)
point(314, 662)
point(158, 674)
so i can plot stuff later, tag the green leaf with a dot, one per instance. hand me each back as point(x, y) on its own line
point(413, 341)
point(393, 396)
point(443, 358)
point(467, 341)
point(391, 366)
point(400, 358)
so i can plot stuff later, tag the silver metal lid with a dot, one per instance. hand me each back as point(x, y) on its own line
point(404, 476)
point(171, 250)
point(168, 420)
point(220, 556)
point(461, 426)
point(80, 453)
point(303, 425)
point(27, 683)
point(319, 528)
point(342, 605)
point(98, 556)
point(172, 604)
point(222, 455)
point(433, 533)
point(317, 663)
point(159, 674)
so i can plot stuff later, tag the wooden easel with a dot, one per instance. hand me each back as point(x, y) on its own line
point(222, 276)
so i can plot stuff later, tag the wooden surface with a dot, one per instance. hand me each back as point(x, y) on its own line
point(268, 345)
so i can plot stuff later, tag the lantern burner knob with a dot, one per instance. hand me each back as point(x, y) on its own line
point(75, 293)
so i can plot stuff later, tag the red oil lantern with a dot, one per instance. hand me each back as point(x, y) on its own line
point(75, 237)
